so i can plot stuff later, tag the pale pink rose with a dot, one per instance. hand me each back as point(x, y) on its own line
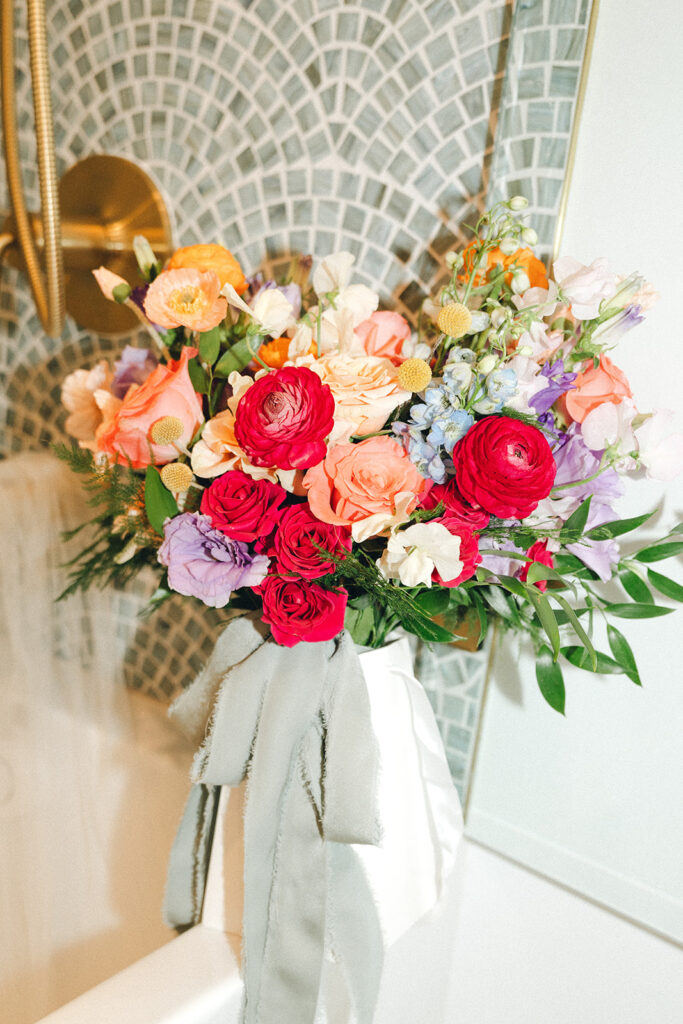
point(78, 398)
point(168, 391)
point(584, 287)
point(383, 334)
point(186, 298)
point(365, 390)
point(356, 481)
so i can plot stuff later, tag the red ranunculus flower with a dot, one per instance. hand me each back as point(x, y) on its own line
point(457, 511)
point(283, 419)
point(243, 508)
point(469, 554)
point(505, 466)
point(298, 610)
point(294, 545)
point(538, 552)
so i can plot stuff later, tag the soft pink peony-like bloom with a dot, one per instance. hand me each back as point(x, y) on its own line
point(584, 287)
point(357, 481)
point(186, 298)
point(283, 419)
point(365, 389)
point(168, 391)
point(383, 334)
point(79, 399)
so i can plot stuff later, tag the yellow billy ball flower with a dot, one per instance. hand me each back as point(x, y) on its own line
point(176, 476)
point(166, 430)
point(414, 375)
point(454, 319)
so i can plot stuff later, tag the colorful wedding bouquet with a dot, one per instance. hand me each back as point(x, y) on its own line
point(287, 449)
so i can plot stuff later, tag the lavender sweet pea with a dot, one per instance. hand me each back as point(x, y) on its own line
point(559, 382)
point(134, 367)
point(206, 564)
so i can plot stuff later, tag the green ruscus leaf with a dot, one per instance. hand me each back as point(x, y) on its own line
point(621, 649)
point(550, 680)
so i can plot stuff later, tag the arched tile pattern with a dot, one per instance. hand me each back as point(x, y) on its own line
point(275, 128)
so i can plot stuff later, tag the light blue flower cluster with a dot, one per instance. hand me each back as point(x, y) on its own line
point(446, 414)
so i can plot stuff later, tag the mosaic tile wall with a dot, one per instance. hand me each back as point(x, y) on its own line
point(276, 127)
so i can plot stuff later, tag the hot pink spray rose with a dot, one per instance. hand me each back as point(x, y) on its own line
point(298, 541)
point(283, 419)
point(505, 466)
point(298, 610)
point(243, 508)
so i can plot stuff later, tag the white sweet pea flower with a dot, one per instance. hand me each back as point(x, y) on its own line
point(272, 310)
point(584, 287)
point(611, 426)
point(544, 298)
point(333, 273)
point(661, 453)
point(412, 555)
point(381, 522)
point(529, 381)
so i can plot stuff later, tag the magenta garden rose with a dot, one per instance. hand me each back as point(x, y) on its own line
point(298, 610)
point(282, 420)
point(299, 539)
point(505, 466)
point(241, 507)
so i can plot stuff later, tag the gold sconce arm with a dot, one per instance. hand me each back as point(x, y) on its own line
point(49, 297)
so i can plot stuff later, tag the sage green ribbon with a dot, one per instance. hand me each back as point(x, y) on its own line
point(296, 724)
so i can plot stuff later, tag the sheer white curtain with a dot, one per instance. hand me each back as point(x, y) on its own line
point(70, 820)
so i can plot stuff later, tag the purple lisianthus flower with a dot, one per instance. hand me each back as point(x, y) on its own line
point(292, 292)
point(576, 462)
point(206, 564)
point(134, 367)
point(559, 382)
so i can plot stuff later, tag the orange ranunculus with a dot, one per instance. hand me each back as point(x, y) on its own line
point(168, 391)
point(595, 386)
point(275, 352)
point(356, 481)
point(522, 259)
point(210, 257)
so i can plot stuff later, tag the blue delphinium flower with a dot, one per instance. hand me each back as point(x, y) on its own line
point(422, 454)
point(447, 430)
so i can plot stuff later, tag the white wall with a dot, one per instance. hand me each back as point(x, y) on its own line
point(595, 799)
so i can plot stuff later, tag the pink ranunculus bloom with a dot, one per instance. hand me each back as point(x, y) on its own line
point(186, 298)
point(168, 391)
point(283, 419)
point(383, 334)
point(357, 481)
point(469, 553)
point(297, 610)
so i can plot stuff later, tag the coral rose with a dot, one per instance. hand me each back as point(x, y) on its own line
point(383, 334)
point(298, 610)
point(168, 391)
point(298, 541)
point(210, 257)
point(357, 481)
point(185, 298)
point(505, 466)
point(366, 391)
point(283, 419)
point(592, 388)
point(243, 508)
point(521, 259)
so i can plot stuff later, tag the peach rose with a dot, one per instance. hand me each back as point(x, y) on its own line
point(358, 481)
point(383, 334)
point(168, 391)
point(595, 386)
point(185, 298)
point(217, 451)
point(365, 389)
point(210, 257)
